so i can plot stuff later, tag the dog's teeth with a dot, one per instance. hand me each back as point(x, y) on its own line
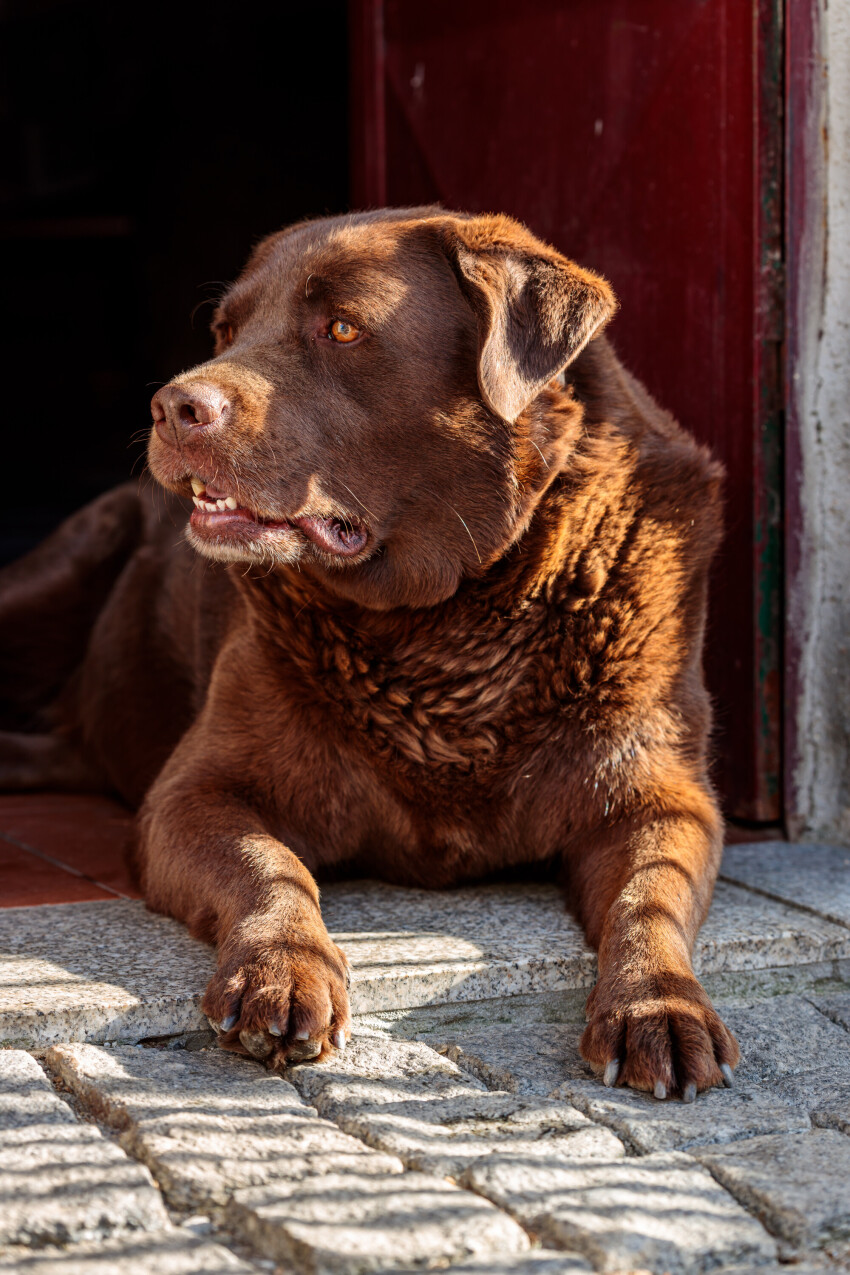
point(210, 506)
point(199, 504)
point(221, 505)
point(197, 485)
point(231, 502)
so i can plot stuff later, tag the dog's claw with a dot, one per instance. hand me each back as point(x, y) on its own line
point(660, 1090)
point(256, 1043)
point(228, 1023)
point(726, 1073)
point(689, 1093)
point(302, 1050)
point(339, 1040)
point(612, 1070)
point(275, 1030)
point(301, 1036)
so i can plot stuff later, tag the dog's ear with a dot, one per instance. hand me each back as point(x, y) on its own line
point(535, 309)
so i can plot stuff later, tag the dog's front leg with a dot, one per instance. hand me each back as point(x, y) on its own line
point(280, 990)
point(642, 889)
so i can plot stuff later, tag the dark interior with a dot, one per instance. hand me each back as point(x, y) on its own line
point(145, 148)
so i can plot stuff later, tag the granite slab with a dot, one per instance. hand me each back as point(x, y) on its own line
point(816, 877)
point(113, 971)
point(60, 1180)
point(98, 972)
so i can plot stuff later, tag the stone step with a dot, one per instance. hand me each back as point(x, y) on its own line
point(60, 1180)
point(115, 972)
point(816, 877)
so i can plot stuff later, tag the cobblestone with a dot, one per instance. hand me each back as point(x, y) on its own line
point(661, 1212)
point(449, 1124)
point(208, 1124)
point(836, 1008)
point(825, 1095)
point(61, 1180)
point(718, 1115)
point(796, 1183)
point(170, 1254)
point(405, 1099)
point(784, 1035)
point(338, 1226)
point(540, 1262)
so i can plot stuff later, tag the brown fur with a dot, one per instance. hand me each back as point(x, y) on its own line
point(506, 672)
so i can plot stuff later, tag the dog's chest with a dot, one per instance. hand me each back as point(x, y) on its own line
point(452, 713)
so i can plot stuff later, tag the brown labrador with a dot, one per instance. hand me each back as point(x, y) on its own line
point(447, 619)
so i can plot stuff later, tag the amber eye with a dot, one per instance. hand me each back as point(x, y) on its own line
point(343, 332)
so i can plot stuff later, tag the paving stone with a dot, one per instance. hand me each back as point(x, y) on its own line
point(718, 1115)
point(112, 971)
point(783, 1035)
point(796, 1183)
point(772, 1268)
point(810, 876)
point(404, 1098)
point(836, 1008)
point(374, 1069)
point(539, 1262)
point(544, 1059)
point(522, 1059)
point(169, 1254)
point(446, 1137)
point(662, 1212)
point(61, 1180)
point(821, 1092)
point(210, 1123)
point(340, 1226)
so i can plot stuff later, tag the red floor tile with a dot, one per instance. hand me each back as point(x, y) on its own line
point(88, 834)
point(26, 881)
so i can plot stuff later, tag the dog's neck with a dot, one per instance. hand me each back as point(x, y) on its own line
point(447, 684)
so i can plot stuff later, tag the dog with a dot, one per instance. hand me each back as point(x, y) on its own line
point(438, 613)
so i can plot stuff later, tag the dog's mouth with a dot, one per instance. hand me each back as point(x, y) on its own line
point(220, 516)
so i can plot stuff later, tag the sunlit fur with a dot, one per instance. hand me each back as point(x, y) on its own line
point(508, 674)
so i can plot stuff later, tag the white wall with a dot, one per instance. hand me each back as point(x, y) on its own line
point(820, 777)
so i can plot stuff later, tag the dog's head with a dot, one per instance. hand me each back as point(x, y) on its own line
point(372, 410)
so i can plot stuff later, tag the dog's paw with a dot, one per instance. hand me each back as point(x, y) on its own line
point(659, 1033)
point(282, 1002)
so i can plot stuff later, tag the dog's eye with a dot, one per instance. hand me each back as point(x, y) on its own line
point(224, 334)
point(343, 332)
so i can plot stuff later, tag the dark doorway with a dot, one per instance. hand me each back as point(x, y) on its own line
point(145, 148)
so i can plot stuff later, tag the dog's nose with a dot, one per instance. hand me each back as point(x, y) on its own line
point(179, 410)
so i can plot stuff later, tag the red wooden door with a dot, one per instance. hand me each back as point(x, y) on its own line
point(643, 138)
